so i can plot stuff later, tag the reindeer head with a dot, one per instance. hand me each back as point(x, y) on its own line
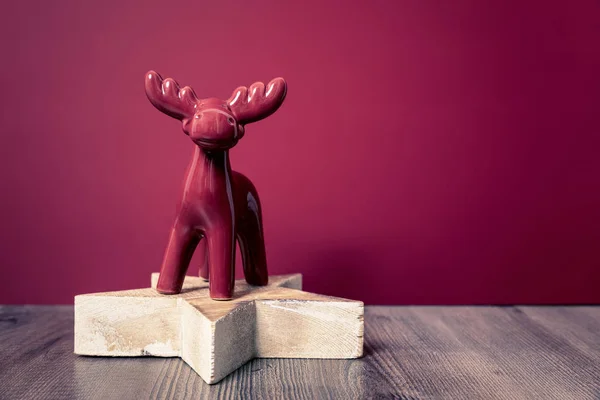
point(215, 124)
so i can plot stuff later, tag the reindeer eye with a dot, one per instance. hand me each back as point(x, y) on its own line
point(231, 121)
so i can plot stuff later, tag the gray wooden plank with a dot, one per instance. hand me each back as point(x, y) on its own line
point(492, 353)
point(410, 353)
point(577, 325)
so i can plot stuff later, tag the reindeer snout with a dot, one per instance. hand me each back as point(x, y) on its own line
point(214, 127)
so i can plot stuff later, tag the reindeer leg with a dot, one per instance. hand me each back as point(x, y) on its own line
point(252, 247)
point(202, 253)
point(177, 258)
point(220, 241)
point(249, 230)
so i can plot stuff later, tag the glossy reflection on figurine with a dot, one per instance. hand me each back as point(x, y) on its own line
point(218, 205)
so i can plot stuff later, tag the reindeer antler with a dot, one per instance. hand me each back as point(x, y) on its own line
point(255, 103)
point(168, 98)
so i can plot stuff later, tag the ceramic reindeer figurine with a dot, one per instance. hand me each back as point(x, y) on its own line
point(218, 205)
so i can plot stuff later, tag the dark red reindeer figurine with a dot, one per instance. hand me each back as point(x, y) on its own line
point(218, 205)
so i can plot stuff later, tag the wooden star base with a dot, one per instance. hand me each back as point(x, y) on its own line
point(216, 337)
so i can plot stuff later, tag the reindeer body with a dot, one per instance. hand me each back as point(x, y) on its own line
point(218, 205)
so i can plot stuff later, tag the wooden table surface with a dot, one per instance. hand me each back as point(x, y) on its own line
point(410, 353)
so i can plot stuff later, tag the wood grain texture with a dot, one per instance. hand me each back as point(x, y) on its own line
point(217, 337)
point(410, 353)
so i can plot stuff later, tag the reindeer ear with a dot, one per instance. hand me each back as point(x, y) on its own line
point(186, 125)
point(257, 102)
point(166, 96)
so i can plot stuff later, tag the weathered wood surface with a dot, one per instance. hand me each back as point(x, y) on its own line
point(410, 353)
point(215, 338)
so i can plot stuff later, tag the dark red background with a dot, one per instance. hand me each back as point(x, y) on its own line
point(428, 151)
